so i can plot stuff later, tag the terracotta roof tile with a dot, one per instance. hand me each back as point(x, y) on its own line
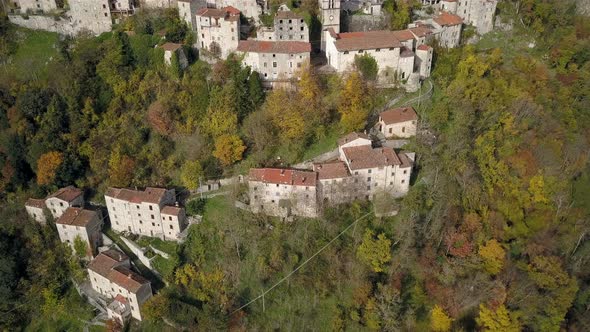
point(231, 10)
point(74, 216)
point(420, 31)
point(36, 203)
point(286, 47)
point(403, 35)
point(365, 40)
point(225, 12)
point(397, 115)
point(446, 19)
point(424, 47)
point(361, 157)
point(127, 279)
point(287, 14)
point(171, 210)
point(106, 260)
point(67, 194)
point(149, 195)
point(284, 176)
point(405, 160)
point(331, 170)
point(351, 137)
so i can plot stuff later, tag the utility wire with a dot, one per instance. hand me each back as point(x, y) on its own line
point(302, 264)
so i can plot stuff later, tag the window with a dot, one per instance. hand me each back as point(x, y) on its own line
point(405, 172)
point(392, 173)
point(403, 181)
point(264, 65)
point(360, 51)
point(277, 185)
point(390, 130)
point(153, 224)
point(105, 15)
point(369, 171)
point(104, 6)
point(356, 173)
point(403, 129)
point(274, 64)
point(141, 222)
point(151, 208)
point(391, 183)
point(368, 187)
point(369, 179)
point(378, 50)
point(61, 204)
point(153, 216)
point(138, 207)
point(171, 227)
point(63, 226)
point(170, 218)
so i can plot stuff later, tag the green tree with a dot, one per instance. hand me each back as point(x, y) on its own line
point(375, 252)
point(367, 65)
point(191, 173)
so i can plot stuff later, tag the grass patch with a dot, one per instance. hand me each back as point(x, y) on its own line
point(34, 52)
point(168, 247)
point(165, 266)
point(323, 145)
point(76, 311)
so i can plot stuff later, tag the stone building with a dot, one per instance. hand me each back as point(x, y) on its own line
point(392, 50)
point(249, 8)
point(360, 172)
point(479, 13)
point(61, 200)
point(398, 122)
point(288, 26)
point(140, 212)
point(111, 276)
point(187, 10)
point(330, 18)
point(85, 224)
point(158, 3)
point(90, 15)
point(444, 27)
point(218, 30)
point(283, 192)
point(36, 209)
point(423, 60)
point(170, 49)
point(33, 6)
point(277, 62)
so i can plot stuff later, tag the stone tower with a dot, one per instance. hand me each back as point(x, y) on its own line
point(330, 15)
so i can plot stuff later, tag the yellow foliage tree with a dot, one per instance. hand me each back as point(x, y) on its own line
point(353, 107)
point(374, 252)
point(500, 320)
point(439, 320)
point(47, 165)
point(190, 173)
point(229, 149)
point(284, 115)
point(537, 189)
point(493, 256)
point(120, 169)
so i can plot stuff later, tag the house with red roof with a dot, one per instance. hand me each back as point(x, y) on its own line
point(283, 192)
point(152, 212)
point(398, 122)
point(218, 30)
point(56, 203)
point(445, 28)
point(85, 225)
point(111, 276)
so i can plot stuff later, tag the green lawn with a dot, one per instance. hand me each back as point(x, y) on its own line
point(168, 247)
point(323, 145)
point(34, 52)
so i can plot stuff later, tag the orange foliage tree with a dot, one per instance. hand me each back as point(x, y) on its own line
point(47, 165)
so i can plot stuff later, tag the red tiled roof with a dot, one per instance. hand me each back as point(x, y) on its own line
point(446, 19)
point(105, 261)
point(421, 31)
point(284, 176)
point(126, 278)
point(218, 13)
point(360, 157)
point(287, 14)
point(405, 160)
point(424, 47)
point(74, 216)
point(403, 35)
point(171, 210)
point(351, 137)
point(171, 46)
point(331, 170)
point(258, 46)
point(231, 10)
point(149, 195)
point(67, 194)
point(365, 40)
point(397, 115)
point(121, 299)
point(36, 203)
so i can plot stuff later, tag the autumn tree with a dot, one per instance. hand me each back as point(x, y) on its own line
point(228, 149)
point(439, 320)
point(47, 165)
point(121, 169)
point(367, 65)
point(374, 251)
point(493, 256)
point(191, 173)
point(353, 107)
point(221, 115)
point(498, 320)
point(284, 115)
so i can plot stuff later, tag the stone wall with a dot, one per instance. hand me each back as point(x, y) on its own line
point(363, 22)
point(47, 23)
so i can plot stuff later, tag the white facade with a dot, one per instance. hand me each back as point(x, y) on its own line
point(248, 8)
point(283, 192)
point(110, 276)
point(34, 6)
point(36, 210)
point(275, 61)
point(424, 60)
point(158, 3)
point(398, 122)
point(187, 10)
point(330, 18)
point(218, 30)
point(140, 212)
point(61, 200)
point(91, 15)
point(85, 224)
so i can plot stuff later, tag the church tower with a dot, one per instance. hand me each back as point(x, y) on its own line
point(330, 11)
